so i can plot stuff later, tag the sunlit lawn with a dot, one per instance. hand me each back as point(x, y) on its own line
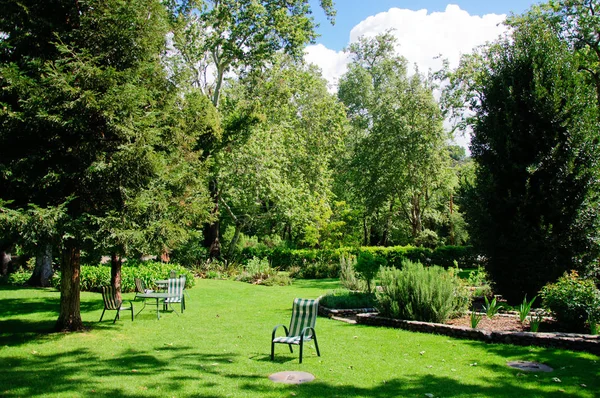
point(220, 348)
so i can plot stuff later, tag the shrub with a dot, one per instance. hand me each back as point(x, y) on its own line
point(367, 267)
point(94, 276)
point(346, 299)
point(571, 299)
point(16, 278)
point(415, 292)
point(348, 277)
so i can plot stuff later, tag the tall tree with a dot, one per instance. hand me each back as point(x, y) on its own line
point(81, 86)
point(217, 37)
point(279, 179)
point(399, 157)
point(533, 209)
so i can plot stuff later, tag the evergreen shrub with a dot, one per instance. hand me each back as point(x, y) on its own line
point(415, 292)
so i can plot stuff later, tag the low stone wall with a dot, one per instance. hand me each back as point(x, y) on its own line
point(569, 341)
point(329, 312)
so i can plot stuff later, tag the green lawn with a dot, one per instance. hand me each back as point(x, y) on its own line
point(220, 348)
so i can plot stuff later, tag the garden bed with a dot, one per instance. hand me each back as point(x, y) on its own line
point(505, 329)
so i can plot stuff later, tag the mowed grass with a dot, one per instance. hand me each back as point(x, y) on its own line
point(220, 348)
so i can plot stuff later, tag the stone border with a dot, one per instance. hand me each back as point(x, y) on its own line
point(568, 341)
point(330, 312)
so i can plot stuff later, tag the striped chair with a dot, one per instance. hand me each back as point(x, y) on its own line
point(140, 287)
point(111, 303)
point(175, 289)
point(302, 327)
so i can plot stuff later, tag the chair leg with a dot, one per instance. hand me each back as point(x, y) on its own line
point(132, 313)
point(301, 349)
point(101, 316)
point(316, 345)
point(116, 317)
point(272, 351)
point(291, 350)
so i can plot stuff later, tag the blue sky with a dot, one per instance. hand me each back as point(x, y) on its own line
point(352, 12)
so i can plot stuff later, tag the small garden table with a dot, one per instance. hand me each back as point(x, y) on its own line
point(154, 295)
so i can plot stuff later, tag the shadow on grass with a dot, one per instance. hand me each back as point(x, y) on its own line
point(82, 371)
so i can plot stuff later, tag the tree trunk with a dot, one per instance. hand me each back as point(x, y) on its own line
point(43, 267)
point(234, 241)
point(115, 273)
point(69, 319)
point(5, 259)
point(211, 231)
point(365, 231)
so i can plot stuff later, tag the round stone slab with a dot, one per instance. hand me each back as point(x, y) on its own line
point(530, 366)
point(291, 377)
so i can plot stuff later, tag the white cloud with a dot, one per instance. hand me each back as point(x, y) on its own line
point(333, 63)
point(421, 36)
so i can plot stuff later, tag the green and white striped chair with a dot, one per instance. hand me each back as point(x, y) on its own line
point(302, 327)
point(111, 303)
point(175, 290)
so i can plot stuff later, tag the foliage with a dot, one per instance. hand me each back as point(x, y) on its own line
point(368, 266)
point(535, 320)
point(348, 277)
point(397, 168)
point(571, 299)
point(278, 178)
point(346, 299)
point(492, 308)
point(428, 294)
point(475, 318)
point(94, 276)
point(283, 258)
point(533, 205)
point(524, 308)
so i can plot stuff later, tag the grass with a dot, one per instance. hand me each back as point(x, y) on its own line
point(220, 348)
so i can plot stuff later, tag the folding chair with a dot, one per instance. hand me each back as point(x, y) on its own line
point(302, 327)
point(111, 303)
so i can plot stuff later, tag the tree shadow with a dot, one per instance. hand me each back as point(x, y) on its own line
point(83, 371)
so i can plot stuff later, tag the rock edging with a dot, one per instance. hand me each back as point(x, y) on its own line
point(569, 341)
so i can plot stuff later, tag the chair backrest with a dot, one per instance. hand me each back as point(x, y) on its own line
point(140, 286)
point(176, 286)
point(304, 314)
point(110, 298)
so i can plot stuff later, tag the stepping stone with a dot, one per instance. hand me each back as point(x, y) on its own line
point(291, 377)
point(530, 366)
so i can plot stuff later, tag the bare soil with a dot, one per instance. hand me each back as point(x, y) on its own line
point(503, 323)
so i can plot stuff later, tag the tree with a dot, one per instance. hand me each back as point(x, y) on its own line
point(399, 159)
point(533, 208)
point(278, 180)
point(235, 36)
point(82, 85)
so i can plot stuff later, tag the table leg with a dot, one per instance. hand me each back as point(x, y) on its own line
point(157, 312)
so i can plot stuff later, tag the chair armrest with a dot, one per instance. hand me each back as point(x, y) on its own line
point(275, 330)
point(313, 334)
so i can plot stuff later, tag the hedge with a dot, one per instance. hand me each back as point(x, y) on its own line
point(94, 276)
point(444, 256)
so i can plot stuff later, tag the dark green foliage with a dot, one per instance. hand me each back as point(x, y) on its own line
point(572, 300)
point(346, 299)
point(533, 210)
point(367, 266)
point(283, 259)
point(428, 294)
point(94, 276)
